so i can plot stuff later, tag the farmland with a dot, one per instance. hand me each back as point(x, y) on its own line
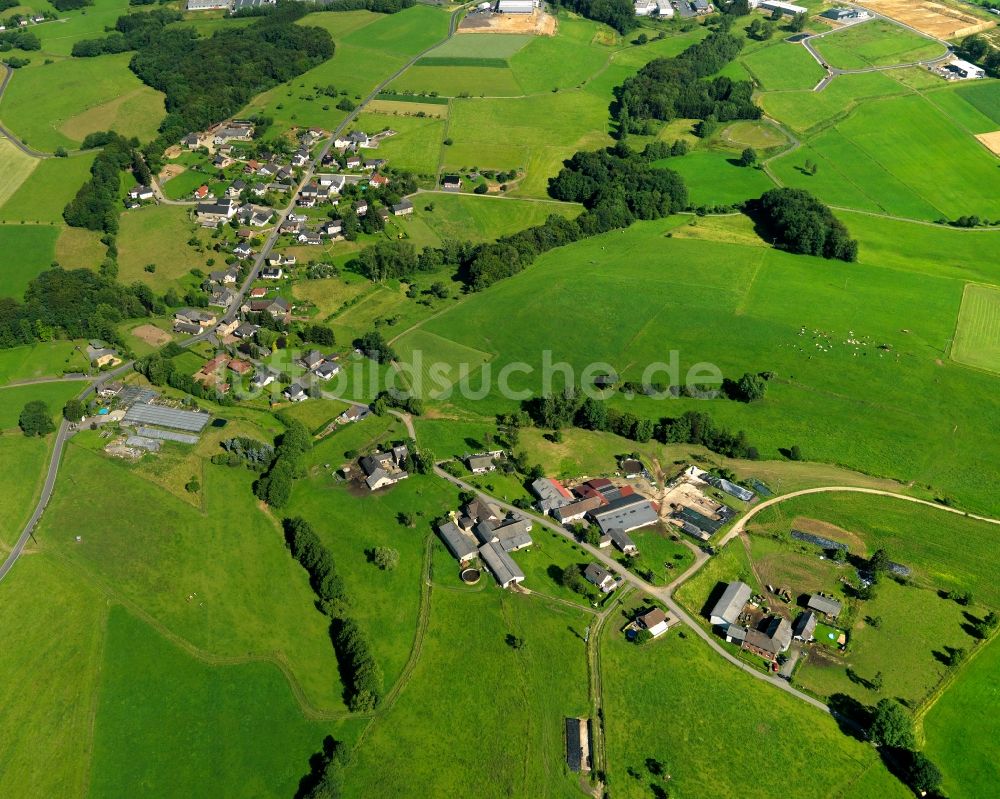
point(744, 320)
point(877, 43)
point(16, 168)
point(735, 714)
point(27, 458)
point(977, 338)
point(31, 249)
point(49, 359)
point(157, 235)
point(44, 194)
point(57, 104)
point(783, 67)
point(416, 147)
point(13, 399)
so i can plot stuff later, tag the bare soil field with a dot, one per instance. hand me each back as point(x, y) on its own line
point(169, 171)
point(931, 18)
point(537, 22)
point(152, 335)
point(991, 141)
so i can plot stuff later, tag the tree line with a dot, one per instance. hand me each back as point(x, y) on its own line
point(616, 186)
point(618, 14)
point(96, 204)
point(671, 88)
point(796, 221)
point(360, 672)
point(275, 485)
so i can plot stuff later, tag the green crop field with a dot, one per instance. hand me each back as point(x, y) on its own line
point(783, 66)
point(877, 43)
point(482, 45)
point(194, 706)
point(49, 359)
point(15, 166)
point(157, 234)
point(249, 598)
point(539, 134)
point(860, 156)
point(985, 97)
point(715, 178)
point(44, 194)
point(416, 147)
point(30, 249)
point(955, 104)
point(752, 133)
point(943, 550)
point(717, 709)
point(977, 338)
point(729, 303)
point(57, 104)
point(967, 760)
point(497, 730)
point(13, 399)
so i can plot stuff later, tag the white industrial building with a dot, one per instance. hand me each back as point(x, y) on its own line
point(778, 5)
point(965, 70)
point(846, 14)
point(515, 6)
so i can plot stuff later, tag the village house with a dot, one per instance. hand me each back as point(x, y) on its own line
point(246, 330)
point(656, 621)
point(451, 182)
point(601, 577)
point(772, 640)
point(384, 469)
point(240, 367)
point(221, 297)
point(191, 141)
point(402, 208)
point(197, 318)
point(353, 414)
point(295, 393)
point(326, 370)
point(243, 250)
point(271, 273)
point(576, 511)
point(101, 355)
point(235, 130)
point(480, 464)
point(334, 184)
point(141, 193)
point(262, 377)
point(225, 328)
point(805, 626)
point(360, 207)
point(211, 214)
point(378, 181)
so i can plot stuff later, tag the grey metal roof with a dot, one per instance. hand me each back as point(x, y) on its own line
point(824, 604)
point(501, 564)
point(626, 513)
point(731, 602)
point(167, 435)
point(805, 625)
point(167, 417)
point(460, 546)
point(484, 533)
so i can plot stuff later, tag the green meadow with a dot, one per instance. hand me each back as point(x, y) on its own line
point(876, 43)
point(475, 217)
point(28, 458)
point(58, 104)
point(47, 359)
point(977, 338)
point(983, 96)
point(715, 177)
point(962, 725)
point(44, 194)
point(158, 234)
point(416, 147)
point(13, 399)
point(16, 166)
point(88, 23)
point(30, 249)
point(725, 298)
point(477, 717)
point(674, 701)
point(783, 66)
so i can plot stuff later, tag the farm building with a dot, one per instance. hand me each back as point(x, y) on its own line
point(384, 468)
point(779, 5)
point(459, 545)
point(622, 540)
point(578, 736)
point(805, 625)
point(727, 610)
point(207, 5)
point(625, 514)
point(577, 510)
point(846, 14)
point(645, 8)
point(515, 6)
point(162, 416)
point(551, 494)
point(772, 640)
point(965, 70)
point(828, 606)
point(502, 565)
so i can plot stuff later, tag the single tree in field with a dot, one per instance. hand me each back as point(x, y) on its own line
point(878, 563)
point(751, 387)
point(73, 410)
point(35, 419)
point(748, 157)
point(891, 725)
point(386, 558)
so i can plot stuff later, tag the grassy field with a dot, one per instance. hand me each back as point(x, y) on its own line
point(194, 706)
point(877, 43)
point(31, 249)
point(47, 734)
point(28, 458)
point(57, 104)
point(42, 197)
point(944, 550)
point(985, 97)
point(977, 337)
point(158, 235)
point(969, 765)
point(471, 217)
point(715, 178)
point(540, 132)
point(78, 247)
point(783, 66)
point(13, 399)
point(728, 302)
point(861, 165)
point(461, 80)
point(16, 166)
point(503, 709)
point(248, 597)
point(416, 147)
point(329, 294)
point(483, 45)
point(88, 23)
point(719, 710)
point(49, 359)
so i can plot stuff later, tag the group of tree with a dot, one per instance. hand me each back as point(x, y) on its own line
point(325, 779)
point(96, 205)
point(160, 369)
point(71, 5)
point(19, 39)
point(359, 671)
point(892, 730)
point(209, 78)
point(36, 419)
point(618, 14)
point(275, 485)
point(568, 408)
point(243, 450)
point(373, 345)
point(978, 50)
point(573, 579)
point(318, 334)
point(682, 87)
point(796, 221)
point(78, 303)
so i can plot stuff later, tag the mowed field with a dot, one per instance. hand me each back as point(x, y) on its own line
point(876, 43)
point(721, 296)
point(157, 234)
point(783, 66)
point(58, 104)
point(416, 147)
point(28, 250)
point(43, 195)
point(15, 166)
point(977, 338)
point(675, 701)
point(962, 726)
